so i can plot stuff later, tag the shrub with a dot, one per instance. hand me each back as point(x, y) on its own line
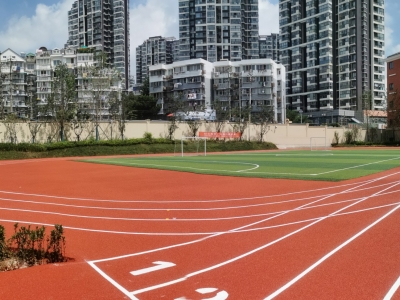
point(56, 245)
point(26, 246)
point(336, 138)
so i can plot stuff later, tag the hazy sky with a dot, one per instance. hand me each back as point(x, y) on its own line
point(26, 25)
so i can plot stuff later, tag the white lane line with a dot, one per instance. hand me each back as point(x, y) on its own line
point(217, 234)
point(216, 266)
point(186, 220)
point(113, 282)
point(189, 209)
point(190, 201)
point(393, 290)
point(198, 233)
point(309, 269)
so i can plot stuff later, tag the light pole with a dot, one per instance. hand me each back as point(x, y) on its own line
point(301, 116)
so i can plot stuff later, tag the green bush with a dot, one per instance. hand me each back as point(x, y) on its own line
point(26, 246)
point(145, 145)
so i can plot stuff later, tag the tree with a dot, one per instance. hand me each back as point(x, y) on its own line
point(241, 117)
point(145, 91)
point(62, 101)
point(11, 124)
point(295, 117)
point(118, 104)
point(141, 107)
point(34, 128)
point(222, 114)
point(367, 102)
point(263, 119)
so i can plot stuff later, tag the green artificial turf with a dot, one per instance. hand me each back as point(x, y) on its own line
point(306, 165)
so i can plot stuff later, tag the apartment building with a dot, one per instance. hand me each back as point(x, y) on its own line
point(393, 90)
point(14, 95)
point(104, 26)
point(93, 89)
point(188, 80)
point(199, 83)
point(154, 51)
point(251, 83)
point(213, 30)
point(269, 46)
point(333, 53)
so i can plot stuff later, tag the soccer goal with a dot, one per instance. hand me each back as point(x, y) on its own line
point(318, 144)
point(193, 145)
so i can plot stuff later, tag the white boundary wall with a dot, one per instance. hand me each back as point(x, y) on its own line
point(283, 135)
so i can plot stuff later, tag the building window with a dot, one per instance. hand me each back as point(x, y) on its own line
point(391, 65)
point(391, 86)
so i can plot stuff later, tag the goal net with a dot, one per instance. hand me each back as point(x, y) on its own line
point(193, 146)
point(318, 144)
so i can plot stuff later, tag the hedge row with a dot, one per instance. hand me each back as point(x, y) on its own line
point(116, 147)
point(28, 147)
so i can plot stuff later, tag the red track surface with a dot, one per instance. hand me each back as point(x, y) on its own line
point(242, 238)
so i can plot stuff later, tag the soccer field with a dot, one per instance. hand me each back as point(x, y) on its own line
point(306, 165)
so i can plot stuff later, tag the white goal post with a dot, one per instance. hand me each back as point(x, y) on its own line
point(318, 143)
point(199, 145)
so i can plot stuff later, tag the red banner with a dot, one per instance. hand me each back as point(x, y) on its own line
point(227, 135)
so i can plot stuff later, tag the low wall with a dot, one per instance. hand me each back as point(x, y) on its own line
point(284, 136)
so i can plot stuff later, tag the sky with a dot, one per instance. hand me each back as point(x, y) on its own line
point(26, 25)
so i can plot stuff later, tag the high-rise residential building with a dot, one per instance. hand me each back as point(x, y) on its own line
point(218, 30)
point(199, 83)
point(155, 50)
point(269, 46)
point(103, 25)
point(333, 54)
point(13, 88)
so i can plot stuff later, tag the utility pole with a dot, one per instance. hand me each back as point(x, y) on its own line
point(10, 88)
point(250, 107)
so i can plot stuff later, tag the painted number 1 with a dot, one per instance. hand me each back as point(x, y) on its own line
point(159, 266)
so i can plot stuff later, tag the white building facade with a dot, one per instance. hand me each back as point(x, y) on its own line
point(255, 83)
point(13, 74)
point(251, 83)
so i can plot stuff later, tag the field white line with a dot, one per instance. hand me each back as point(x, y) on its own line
point(311, 155)
point(224, 263)
point(174, 167)
point(320, 261)
point(232, 230)
point(181, 219)
point(187, 201)
point(392, 290)
point(358, 166)
point(248, 171)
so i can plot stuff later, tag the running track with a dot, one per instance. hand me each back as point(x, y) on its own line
point(150, 234)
